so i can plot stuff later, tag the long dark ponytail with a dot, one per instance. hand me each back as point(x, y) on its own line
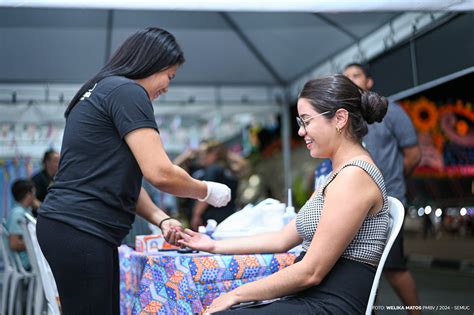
point(144, 53)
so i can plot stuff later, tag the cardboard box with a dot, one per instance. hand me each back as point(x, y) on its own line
point(152, 243)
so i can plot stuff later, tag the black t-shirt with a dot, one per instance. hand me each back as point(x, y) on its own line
point(98, 180)
point(42, 182)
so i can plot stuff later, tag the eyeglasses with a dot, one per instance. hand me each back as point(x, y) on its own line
point(304, 122)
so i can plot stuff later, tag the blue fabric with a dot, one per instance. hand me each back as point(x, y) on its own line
point(322, 173)
point(17, 215)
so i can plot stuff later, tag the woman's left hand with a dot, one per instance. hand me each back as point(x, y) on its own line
point(222, 303)
point(171, 229)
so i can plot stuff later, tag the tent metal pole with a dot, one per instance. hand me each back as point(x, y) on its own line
point(337, 26)
point(414, 67)
point(431, 84)
point(253, 49)
point(108, 35)
point(286, 138)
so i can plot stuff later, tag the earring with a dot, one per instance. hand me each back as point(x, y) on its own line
point(339, 130)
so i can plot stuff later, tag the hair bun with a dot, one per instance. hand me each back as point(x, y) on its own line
point(374, 106)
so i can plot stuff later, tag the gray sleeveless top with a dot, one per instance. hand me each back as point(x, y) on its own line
point(369, 242)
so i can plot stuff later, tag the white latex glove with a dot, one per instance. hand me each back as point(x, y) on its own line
point(218, 195)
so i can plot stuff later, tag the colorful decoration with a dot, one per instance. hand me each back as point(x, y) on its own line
point(173, 283)
point(424, 115)
point(446, 136)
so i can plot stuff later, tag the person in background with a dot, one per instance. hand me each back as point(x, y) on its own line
point(214, 158)
point(23, 192)
point(188, 160)
point(342, 241)
point(238, 164)
point(194, 162)
point(393, 144)
point(44, 178)
point(322, 173)
point(111, 141)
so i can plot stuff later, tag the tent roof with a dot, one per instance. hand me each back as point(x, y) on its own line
point(254, 6)
point(222, 48)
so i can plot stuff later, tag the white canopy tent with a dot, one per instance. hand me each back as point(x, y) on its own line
point(240, 54)
point(252, 5)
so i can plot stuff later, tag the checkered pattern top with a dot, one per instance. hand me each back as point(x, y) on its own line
point(369, 242)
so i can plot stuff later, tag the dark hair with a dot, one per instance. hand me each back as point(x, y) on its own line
point(47, 155)
point(144, 53)
point(328, 94)
point(220, 150)
point(20, 188)
point(364, 67)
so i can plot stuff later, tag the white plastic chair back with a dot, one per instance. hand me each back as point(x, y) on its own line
point(28, 277)
point(45, 273)
point(9, 268)
point(14, 275)
point(396, 216)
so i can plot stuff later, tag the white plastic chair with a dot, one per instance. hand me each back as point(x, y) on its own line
point(9, 273)
point(29, 278)
point(14, 275)
point(396, 215)
point(38, 262)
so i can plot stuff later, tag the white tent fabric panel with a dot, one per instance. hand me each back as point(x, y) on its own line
point(291, 41)
point(212, 50)
point(63, 43)
point(237, 48)
point(357, 24)
point(251, 5)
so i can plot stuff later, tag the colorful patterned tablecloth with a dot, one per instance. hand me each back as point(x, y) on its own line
point(173, 283)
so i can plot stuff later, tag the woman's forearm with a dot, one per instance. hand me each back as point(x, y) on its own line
point(174, 180)
point(255, 244)
point(285, 282)
point(156, 167)
point(148, 210)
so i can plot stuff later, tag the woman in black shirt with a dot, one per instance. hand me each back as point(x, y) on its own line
point(110, 142)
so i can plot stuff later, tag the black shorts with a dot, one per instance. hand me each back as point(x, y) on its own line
point(396, 258)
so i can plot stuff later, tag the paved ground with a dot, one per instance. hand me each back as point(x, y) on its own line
point(439, 288)
point(446, 247)
point(443, 269)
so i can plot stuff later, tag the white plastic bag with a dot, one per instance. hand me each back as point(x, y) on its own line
point(263, 217)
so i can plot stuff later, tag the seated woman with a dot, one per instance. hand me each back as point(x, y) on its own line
point(342, 227)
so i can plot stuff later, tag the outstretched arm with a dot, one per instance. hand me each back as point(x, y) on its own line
point(272, 242)
point(156, 167)
point(146, 146)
